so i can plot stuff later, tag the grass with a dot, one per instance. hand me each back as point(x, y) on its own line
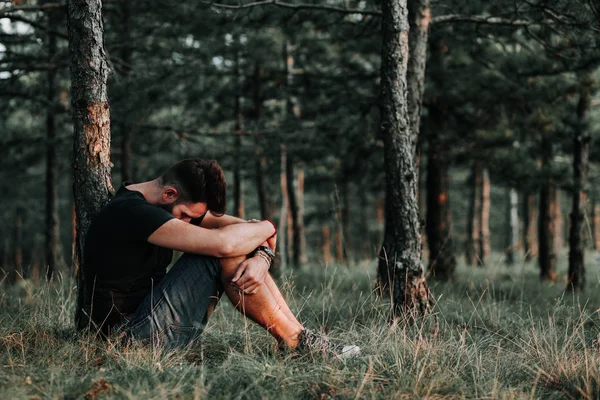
point(496, 333)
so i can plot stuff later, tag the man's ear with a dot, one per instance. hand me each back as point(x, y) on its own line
point(169, 195)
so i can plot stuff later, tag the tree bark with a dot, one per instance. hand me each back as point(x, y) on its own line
point(400, 268)
point(485, 247)
point(529, 216)
point(301, 232)
point(326, 245)
point(595, 217)
point(512, 226)
point(283, 213)
point(238, 196)
point(581, 139)
point(294, 204)
point(52, 242)
point(264, 200)
point(126, 58)
point(559, 241)
point(15, 271)
point(419, 17)
point(474, 216)
point(442, 261)
point(92, 186)
point(547, 219)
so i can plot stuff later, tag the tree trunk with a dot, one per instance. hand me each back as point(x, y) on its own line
point(400, 268)
point(92, 186)
point(238, 196)
point(485, 247)
point(52, 245)
point(15, 271)
point(547, 219)
point(419, 17)
point(283, 213)
point(342, 216)
point(442, 262)
point(301, 232)
point(339, 246)
point(126, 58)
point(581, 139)
point(529, 216)
point(559, 241)
point(512, 225)
point(326, 245)
point(474, 216)
point(595, 217)
point(264, 201)
point(296, 225)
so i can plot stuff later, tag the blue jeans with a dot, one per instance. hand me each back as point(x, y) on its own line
point(175, 313)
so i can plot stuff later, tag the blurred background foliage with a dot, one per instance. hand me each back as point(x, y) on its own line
point(195, 79)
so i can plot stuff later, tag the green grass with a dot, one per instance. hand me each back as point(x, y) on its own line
point(496, 333)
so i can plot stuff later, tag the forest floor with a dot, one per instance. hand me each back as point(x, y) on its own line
point(496, 333)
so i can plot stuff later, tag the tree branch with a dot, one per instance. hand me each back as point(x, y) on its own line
point(442, 19)
point(37, 25)
point(42, 7)
point(297, 7)
point(477, 19)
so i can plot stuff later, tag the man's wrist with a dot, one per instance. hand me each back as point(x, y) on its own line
point(262, 255)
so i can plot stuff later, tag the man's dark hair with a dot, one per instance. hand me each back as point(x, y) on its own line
point(198, 181)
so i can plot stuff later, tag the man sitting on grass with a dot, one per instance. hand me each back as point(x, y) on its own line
point(130, 244)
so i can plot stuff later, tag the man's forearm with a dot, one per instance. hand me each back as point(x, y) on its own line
point(242, 239)
point(211, 221)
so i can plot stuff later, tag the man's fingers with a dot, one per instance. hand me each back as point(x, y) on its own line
point(252, 289)
point(238, 272)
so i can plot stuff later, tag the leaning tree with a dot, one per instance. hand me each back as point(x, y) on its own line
point(92, 185)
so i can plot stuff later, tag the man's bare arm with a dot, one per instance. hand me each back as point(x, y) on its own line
point(230, 241)
point(211, 221)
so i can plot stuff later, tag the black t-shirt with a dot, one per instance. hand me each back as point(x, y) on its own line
point(121, 266)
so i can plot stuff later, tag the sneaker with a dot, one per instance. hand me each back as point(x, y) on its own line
point(309, 342)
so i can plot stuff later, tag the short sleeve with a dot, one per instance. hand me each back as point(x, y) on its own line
point(144, 219)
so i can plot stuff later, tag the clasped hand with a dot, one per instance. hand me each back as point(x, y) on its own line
point(250, 275)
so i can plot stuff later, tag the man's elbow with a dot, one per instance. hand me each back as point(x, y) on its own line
point(224, 250)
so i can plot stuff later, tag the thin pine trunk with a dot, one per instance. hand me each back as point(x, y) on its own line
point(474, 216)
point(595, 219)
point(529, 215)
point(296, 224)
point(92, 185)
point(52, 243)
point(301, 232)
point(283, 213)
point(238, 196)
point(512, 226)
point(581, 139)
point(126, 58)
point(547, 219)
point(15, 271)
point(442, 261)
point(419, 17)
point(264, 200)
point(559, 226)
point(326, 244)
point(485, 247)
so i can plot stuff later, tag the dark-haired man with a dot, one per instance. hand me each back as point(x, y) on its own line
point(130, 244)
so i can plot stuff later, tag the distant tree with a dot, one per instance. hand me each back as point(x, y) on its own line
point(547, 216)
point(442, 261)
point(512, 225)
point(581, 139)
point(53, 249)
point(92, 185)
point(400, 267)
